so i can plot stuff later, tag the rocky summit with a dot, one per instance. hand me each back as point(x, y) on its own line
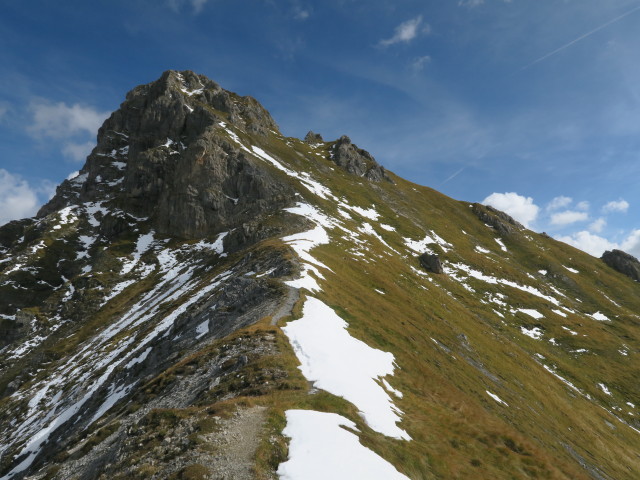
point(209, 299)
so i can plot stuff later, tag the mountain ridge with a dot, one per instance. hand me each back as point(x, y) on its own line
point(165, 294)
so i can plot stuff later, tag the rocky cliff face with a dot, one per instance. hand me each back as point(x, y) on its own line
point(623, 262)
point(161, 156)
point(210, 299)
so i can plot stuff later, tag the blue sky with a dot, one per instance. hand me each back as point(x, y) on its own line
point(533, 106)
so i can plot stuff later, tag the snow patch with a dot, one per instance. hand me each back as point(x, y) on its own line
point(600, 317)
point(534, 332)
point(532, 313)
point(497, 398)
point(321, 448)
point(344, 366)
point(604, 388)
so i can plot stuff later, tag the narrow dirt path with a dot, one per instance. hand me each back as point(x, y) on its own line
point(236, 443)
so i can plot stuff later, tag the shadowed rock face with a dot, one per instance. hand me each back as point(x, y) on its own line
point(502, 222)
point(623, 263)
point(357, 161)
point(431, 263)
point(165, 156)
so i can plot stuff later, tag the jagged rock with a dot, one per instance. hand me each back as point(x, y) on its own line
point(431, 263)
point(623, 263)
point(357, 161)
point(312, 137)
point(162, 156)
point(502, 222)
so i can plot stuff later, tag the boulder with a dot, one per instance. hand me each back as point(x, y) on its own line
point(431, 263)
point(623, 263)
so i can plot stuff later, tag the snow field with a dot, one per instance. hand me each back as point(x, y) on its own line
point(322, 449)
point(344, 366)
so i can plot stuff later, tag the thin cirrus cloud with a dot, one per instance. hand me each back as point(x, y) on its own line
point(196, 5)
point(407, 31)
point(419, 63)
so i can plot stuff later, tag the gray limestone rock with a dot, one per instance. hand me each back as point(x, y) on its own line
point(357, 161)
point(312, 137)
point(503, 223)
point(164, 156)
point(623, 263)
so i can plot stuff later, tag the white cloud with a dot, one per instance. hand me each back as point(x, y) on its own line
point(596, 245)
point(588, 242)
point(584, 205)
point(632, 243)
point(78, 151)
point(17, 198)
point(598, 225)
point(419, 63)
point(470, 3)
point(521, 208)
point(58, 120)
point(406, 31)
point(616, 206)
point(559, 202)
point(568, 217)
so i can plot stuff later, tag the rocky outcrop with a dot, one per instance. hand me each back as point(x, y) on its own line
point(623, 263)
point(313, 138)
point(503, 223)
point(165, 156)
point(357, 161)
point(431, 263)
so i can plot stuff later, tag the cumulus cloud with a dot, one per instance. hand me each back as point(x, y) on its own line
point(77, 151)
point(519, 207)
point(406, 32)
point(631, 244)
point(596, 245)
point(598, 225)
point(588, 242)
point(59, 120)
point(17, 198)
point(568, 217)
point(559, 202)
point(616, 206)
point(584, 205)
